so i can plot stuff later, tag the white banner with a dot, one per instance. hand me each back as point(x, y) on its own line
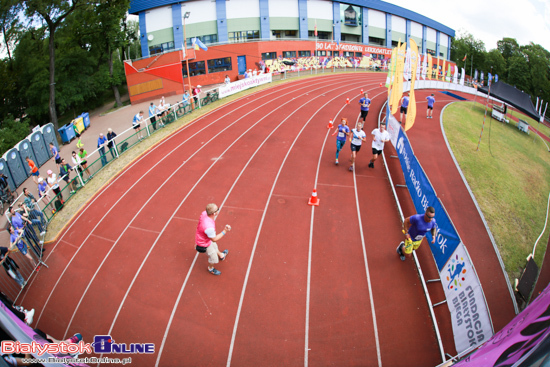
point(393, 126)
point(470, 316)
point(244, 84)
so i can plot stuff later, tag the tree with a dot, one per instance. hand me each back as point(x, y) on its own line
point(53, 12)
point(495, 61)
point(508, 47)
point(518, 73)
point(12, 132)
point(466, 44)
point(9, 24)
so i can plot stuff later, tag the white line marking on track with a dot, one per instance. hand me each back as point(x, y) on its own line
point(103, 238)
point(375, 325)
point(143, 229)
point(233, 336)
point(188, 219)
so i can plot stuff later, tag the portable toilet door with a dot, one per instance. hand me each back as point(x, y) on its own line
point(48, 132)
point(25, 150)
point(6, 171)
point(39, 147)
point(18, 172)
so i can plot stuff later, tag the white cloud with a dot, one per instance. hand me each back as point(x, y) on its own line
point(490, 20)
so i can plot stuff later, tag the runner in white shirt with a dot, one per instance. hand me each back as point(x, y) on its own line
point(358, 136)
point(379, 137)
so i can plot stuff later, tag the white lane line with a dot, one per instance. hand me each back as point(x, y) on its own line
point(103, 238)
point(172, 315)
point(143, 229)
point(232, 345)
point(187, 219)
point(374, 323)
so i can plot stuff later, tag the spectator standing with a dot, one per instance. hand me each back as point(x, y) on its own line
point(227, 80)
point(415, 228)
point(365, 104)
point(430, 109)
point(206, 238)
point(34, 170)
point(136, 123)
point(83, 155)
point(23, 225)
point(404, 106)
point(153, 115)
point(186, 98)
point(43, 190)
point(343, 132)
point(358, 136)
point(101, 143)
point(246, 75)
point(196, 94)
point(16, 241)
point(55, 153)
point(30, 202)
point(111, 135)
point(64, 172)
point(52, 183)
point(379, 137)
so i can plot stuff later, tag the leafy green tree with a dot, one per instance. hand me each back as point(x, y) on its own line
point(466, 44)
point(508, 47)
point(12, 132)
point(518, 73)
point(495, 61)
point(538, 69)
point(53, 13)
point(9, 25)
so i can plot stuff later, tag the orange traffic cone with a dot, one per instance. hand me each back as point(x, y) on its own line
point(361, 90)
point(313, 200)
point(330, 125)
point(347, 101)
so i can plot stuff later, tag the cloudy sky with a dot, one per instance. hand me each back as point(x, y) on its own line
point(490, 20)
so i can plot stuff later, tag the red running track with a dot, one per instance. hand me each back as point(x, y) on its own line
point(301, 285)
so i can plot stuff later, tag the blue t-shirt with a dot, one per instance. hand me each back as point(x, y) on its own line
point(343, 130)
point(405, 102)
point(419, 227)
point(17, 221)
point(55, 152)
point(431, 101)
point(101, 141)
point(152, 110)
point(364, 100)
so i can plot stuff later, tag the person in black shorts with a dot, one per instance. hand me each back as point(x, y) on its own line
point(404, 106)
point(365, 104)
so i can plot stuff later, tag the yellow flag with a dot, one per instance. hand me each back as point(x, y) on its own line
point(430, 67)
point(443, 71)
point(411, 111)
point(397, 90)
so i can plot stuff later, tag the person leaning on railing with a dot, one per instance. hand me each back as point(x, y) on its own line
point(64, 171)
point(111, 135)
point(31, 203)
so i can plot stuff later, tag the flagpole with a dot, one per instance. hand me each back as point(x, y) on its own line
point(187, 14)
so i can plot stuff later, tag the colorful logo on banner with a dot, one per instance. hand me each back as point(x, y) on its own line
point(456, 273)
point(423, 195)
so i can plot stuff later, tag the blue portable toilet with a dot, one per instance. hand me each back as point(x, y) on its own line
point(39, 147)
point(6, 171)
point(25, 150)
point(48, 132)
point(16, 166)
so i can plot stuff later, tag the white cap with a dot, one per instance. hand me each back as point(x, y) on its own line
point(198, 86)
point(40, 179)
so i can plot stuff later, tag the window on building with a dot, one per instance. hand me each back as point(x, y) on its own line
point(207, 39)
point(288, 54)
point(351, 37)
point(350, 14)
point(376, 41)
point(441, 54)
point(291, 34)
point(320, 53)
point(216, 65)
point(320, 35)
point(394, 43)
point(243, 36)
point(348, 54)
point(358, 54)
point(431, 52)
point(163, 47)
point(334, 53)
point(269, 55)
point(195, 68)
point(304, 53)
point(250, 35)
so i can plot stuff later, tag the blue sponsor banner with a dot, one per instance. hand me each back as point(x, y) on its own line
point(423, 196)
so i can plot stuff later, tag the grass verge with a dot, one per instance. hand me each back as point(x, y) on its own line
point(509, 176)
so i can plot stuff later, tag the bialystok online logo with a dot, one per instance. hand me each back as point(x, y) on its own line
point(103, 344)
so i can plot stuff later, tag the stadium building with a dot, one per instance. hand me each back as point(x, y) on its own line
point(249, 34)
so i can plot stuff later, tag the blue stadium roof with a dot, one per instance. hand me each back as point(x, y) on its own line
point(137, 6)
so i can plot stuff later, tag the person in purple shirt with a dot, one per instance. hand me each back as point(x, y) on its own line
point(415, 228)
point(343, 132)
point(101, 144)
point(430, 110)
point(55, 153)
point(404, 105)
point(365, 104)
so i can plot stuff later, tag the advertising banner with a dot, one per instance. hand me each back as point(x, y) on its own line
point(469, 313)
point(239, 86)
point(512, 345)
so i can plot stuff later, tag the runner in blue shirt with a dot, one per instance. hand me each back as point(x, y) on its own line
point(404, 105)
point(430, 110)
point(365, 104)
point(415, 228)
point(343, 132)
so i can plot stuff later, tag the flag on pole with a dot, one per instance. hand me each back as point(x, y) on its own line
point(475, 75)
point(315, 29)
point(481, 78)
point(464, 59)
point(489, 78)
point(412, 53)
point(198, 43)
point(496, 78)
point(430, 67)
point(462, 77)
point(455, 75)
point(537, 105)
point(424, 67)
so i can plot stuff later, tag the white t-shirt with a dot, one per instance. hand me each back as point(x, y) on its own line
point(210, 232)
point(357, 136)
point(53, 181)
point(379, 136)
